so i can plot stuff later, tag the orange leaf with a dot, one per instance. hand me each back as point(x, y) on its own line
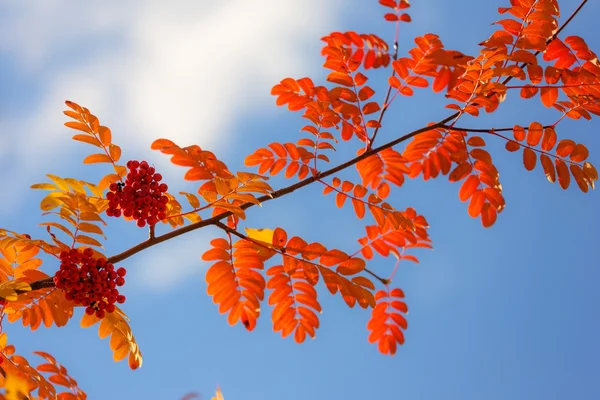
point(565, 147)
point(534, 134)
point(115, 152)
point(162, 143)
point(370, 108)
point(512, 146)
point(529, 159)
point(463, 169)
point(476, 203)
point(79, 126)
point(519, 133)
point(579, 177)
point(548, 168)
point(564, 178)
point(468, 187)
point(88, 139)
point(96, 158)
point(442, 79)
point(197, 173)
point(549, 139)
point(340, 78)
point(549, 96)
point(476, 141)
point(488, 215)
point(579, 154)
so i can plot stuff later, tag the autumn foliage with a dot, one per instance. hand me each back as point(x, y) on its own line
point(252, 269)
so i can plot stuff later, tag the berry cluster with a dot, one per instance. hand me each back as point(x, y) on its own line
point(90, 282)
point(141, 197)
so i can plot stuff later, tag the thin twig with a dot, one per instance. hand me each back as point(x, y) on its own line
point(282, 251)
point(485, 130)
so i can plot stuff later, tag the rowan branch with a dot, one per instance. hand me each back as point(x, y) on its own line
point(152, 241)
point(49, 282)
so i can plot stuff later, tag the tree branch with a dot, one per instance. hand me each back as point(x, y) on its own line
point(274, 195)
point(49, 282)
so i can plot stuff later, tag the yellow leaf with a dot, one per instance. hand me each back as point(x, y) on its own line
point(51, 201)
point(218, 395)
point(43, 186)
point(88, 320)
point(192, 199)
point(121, 340)
point(90, 228)
point(60, 182)
point(90, 216)
point(76, 185)
point(83, 239)
point(16, 387)
point(8, 289)
point(261, 235)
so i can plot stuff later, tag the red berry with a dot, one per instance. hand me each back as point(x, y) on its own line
point(120, 299)
point(100, 314)
point(89, 310)
point(120, 281)
point(110, 308)
point(121, 271)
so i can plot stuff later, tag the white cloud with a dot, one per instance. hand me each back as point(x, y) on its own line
point(148, 68)
point(158, 270)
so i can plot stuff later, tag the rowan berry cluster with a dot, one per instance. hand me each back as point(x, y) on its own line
point(90, 282)
point(141, 197)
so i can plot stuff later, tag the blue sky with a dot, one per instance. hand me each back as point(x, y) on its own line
point(506, 312)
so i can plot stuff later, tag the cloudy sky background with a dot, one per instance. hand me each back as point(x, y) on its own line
point(509, 312)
